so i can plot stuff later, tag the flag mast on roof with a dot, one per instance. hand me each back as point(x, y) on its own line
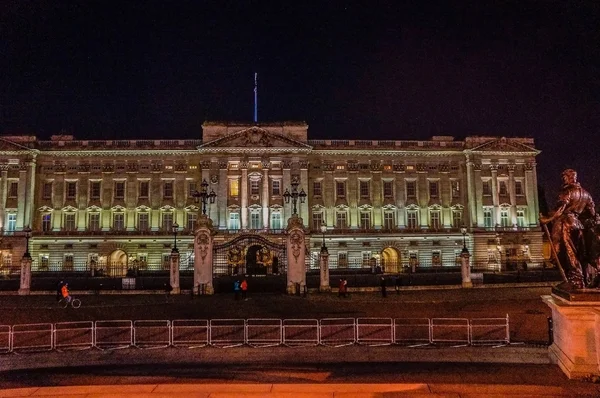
point(255, 97)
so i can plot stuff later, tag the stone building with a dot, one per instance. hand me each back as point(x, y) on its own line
point(395, 205)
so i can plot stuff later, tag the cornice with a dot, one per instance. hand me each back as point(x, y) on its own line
point(115, 153)
point(259, 150)
point(371, 152)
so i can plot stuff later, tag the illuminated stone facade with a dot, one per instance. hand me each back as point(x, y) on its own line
point(397, 204)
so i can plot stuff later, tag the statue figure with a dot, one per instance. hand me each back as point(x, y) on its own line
point(574, 237)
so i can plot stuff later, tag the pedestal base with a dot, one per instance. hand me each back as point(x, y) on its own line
point(467, 284)
point(24, 292)
point(176, 290)
point(576, 333)
point(325, 289)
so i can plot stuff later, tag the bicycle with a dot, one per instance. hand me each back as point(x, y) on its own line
point(75, 303)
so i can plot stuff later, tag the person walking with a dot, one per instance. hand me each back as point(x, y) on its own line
point(345, 287)
point(65, 292)
point(59, 286)
point(341, 288)
point(398, 284)
point(236, 290)
point(244, 287)
point(383, 291)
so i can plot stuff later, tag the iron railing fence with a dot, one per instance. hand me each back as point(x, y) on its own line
point(253, 332)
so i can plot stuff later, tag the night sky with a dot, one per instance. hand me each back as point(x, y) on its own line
point(373, 69)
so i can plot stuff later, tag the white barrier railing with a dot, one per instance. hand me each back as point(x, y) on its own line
point(5, 339)
point(32, 337)
point(152, 334)
point(489, 331)
point(412, 332)
point(301, 332)
point(227, 333)
point(263, 332)
point(374, 331)
point(223, 333)
point(192, 333)
point(112, 335)
point(73, 335)
point(338, 332)
point(453, 331)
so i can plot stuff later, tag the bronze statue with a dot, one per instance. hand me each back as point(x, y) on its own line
point(574, 237)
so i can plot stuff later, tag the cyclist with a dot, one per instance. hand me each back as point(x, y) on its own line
point(65, 292)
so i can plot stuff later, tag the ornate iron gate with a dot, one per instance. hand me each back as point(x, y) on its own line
point(250, 254)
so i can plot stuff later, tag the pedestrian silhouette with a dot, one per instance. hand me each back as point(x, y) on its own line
point(383, 291)
point(236, 289)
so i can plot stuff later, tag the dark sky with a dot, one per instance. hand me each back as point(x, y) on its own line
point(373, 69)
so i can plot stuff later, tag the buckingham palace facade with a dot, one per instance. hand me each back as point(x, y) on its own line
point(398, 205)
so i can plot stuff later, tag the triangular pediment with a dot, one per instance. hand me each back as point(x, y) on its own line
point(254, 137)
point(504, 145)
point(8, 145)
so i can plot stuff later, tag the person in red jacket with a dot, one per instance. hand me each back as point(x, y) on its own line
point(244, 287)
point(65, 292)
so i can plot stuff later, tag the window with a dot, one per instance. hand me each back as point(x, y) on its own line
point(502, 189)
point(389, 221)
point(276, 220)
point(342, 260)
point(365, 220)
point(119, 221)
point(434, 219)
point(44, 261)
point(317, 187)
point(276, 188)
point(521, 218)
point(46, 222)
point(255, 220)
point(143, 224)
point(364, 189)
point(411, 219)
point(254, 187)
point(317, 221)
point(388, 189)
point(119, 189)
point(94, 222)
point(71, 189)
point(234, 188)
point(47, 191)
point(340, 189)
point(191, 221)
point(191, 189)
point(144, 189)
point(455, 186)
point(456, 219)
point(70, 222)
point(504, 217)
point(411, 189)
point(433, 189)
point(234, 220)
point(340, 219)
point(487, 188)
point(487, 218)
point(519, 188)
point(436, 258)
point(13, 189)
point(68, 262)
point(94, 189)
point(168, 189)
point(366, 259)
point(11, 222)
point(167, 221)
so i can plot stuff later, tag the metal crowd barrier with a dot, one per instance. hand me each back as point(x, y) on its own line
point(225, 333)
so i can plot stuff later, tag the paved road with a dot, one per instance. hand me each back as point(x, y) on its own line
point(528, 314)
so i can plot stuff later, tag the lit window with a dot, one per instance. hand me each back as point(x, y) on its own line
point(504, 217)
point(11, 222)
point(276, 220)
point(255, 221)
point(46, 222)
point(487, 218)
point(234, 221)
point(340, 167)
point(521, 217)
point(234, 188)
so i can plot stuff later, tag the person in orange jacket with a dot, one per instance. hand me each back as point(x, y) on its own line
point(244, 287)
point(65, 292)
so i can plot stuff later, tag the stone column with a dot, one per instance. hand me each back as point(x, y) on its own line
point(265, 196)
point(324, 270)
point(174, 272)
point(3, 193)
point(465, 268)
point(25, 285)
point(304, 182)
point(22, 204)
point(470, 185)
point(244, 195)
point(496, 213)
point(296, 249)
point(30, 191)
point(203, 254)
point(223, 196)
point(512, 195)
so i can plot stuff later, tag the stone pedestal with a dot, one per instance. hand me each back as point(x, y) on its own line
point(465, 268)
point(174, 272)
point(324, 270)
point(576, 331)
point(25, 285)
point(203, 257)
point(296, 254)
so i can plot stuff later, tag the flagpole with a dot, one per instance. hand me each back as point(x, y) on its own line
point(255, 97)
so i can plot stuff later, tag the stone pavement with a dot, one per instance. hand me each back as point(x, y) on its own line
point(353, 371)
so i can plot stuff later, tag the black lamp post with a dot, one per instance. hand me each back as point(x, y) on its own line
point(294, 196)
point(175, 228)
point(205, 196)
point(464, 233)
point(27, 231)
point(323, 230)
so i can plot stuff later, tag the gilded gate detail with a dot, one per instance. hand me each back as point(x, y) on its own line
point(250, 254)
